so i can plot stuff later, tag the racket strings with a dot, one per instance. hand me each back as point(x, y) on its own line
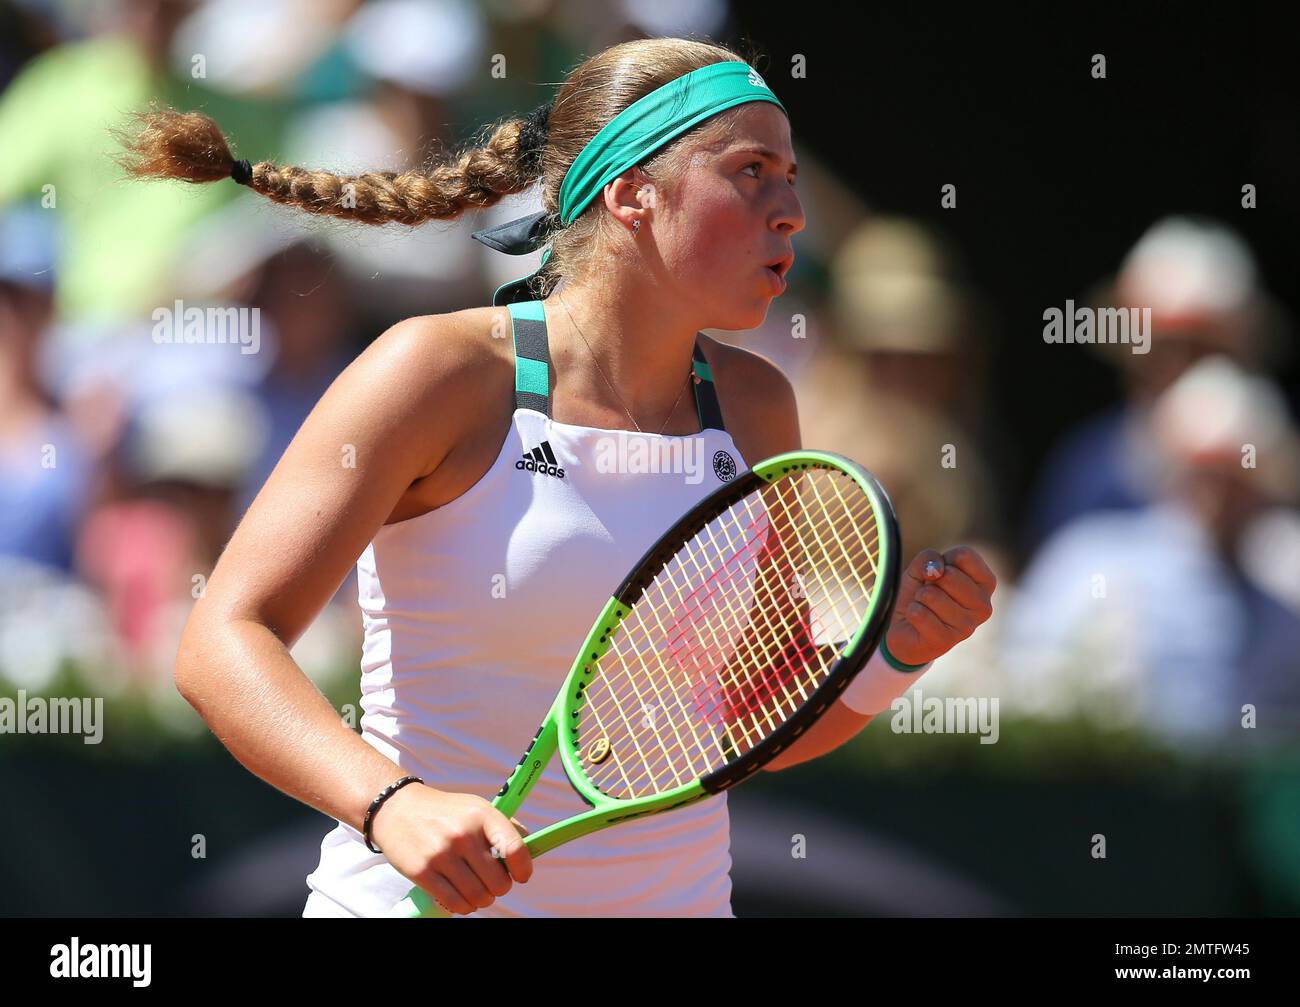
point(795, 638)
point(688, 613)
point(775, 641)
point(794, 647)
point(772, 649)
point(655, 669)
point(712, 653)
point(800, 650)
point(722, 647)
point(780, 670)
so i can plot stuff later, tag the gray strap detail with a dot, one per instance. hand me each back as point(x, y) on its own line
point(533, 368)
point(532, 358)
point(706, 395)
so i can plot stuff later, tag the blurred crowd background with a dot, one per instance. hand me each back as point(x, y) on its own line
point(1141, 513)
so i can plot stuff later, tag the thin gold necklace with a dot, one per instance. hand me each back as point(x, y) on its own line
point(611, 384)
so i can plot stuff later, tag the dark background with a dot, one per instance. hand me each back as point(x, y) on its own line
point(1056, 173)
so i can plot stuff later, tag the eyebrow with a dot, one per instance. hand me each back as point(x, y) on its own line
point(770, 155)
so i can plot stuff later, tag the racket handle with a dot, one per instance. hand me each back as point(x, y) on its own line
point(417, 905)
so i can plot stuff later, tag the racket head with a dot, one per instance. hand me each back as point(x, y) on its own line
point(737, 734)
point(707, 663)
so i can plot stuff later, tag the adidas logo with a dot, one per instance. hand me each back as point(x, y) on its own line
point(755, 79)
point(541, 459)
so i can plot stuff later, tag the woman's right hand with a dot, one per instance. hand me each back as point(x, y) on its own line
point(445, 842)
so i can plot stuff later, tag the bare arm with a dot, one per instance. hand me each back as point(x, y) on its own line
point(834, 727)
point(933, 612)
point(942, 599)
point(287, 558)
point(386, 422)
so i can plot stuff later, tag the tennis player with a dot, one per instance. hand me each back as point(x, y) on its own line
point(458, 463)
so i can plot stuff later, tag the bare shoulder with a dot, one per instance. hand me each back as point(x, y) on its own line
point(757, 399)
point(740, 365)
point(456, 344)
point(451, 373)
point(414, 404)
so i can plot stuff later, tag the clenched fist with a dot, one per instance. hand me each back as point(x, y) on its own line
point(942, 599)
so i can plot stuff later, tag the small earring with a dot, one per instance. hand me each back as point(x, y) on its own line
point(636, 226)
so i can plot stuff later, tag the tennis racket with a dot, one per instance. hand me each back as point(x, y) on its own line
point(734, 632)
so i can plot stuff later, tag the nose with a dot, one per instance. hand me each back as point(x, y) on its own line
point(789, 218)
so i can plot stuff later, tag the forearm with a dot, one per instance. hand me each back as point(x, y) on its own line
point(836, 726)
point(243, 682)
point(871, 692)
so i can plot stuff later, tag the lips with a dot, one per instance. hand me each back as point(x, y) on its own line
point(781, 265)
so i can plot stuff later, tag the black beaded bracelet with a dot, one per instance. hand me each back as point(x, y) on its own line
point(384, 795)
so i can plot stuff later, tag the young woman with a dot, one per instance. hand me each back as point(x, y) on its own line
point(458, 468)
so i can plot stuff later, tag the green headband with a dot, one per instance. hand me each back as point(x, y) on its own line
point(650, 122)
point(634, 134)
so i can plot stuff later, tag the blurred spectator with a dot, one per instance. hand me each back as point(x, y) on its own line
point(55, 122)
point(22, 33)
point(46, 478)
point(307, 315)
point(44, 473)
point(252, 47)
point(1147, 616)
point(900, 387)
point(264, 258)
point(1200, 282)
point(404, 116)
point(186, 452)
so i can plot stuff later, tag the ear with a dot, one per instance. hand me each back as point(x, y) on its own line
point(631, 197)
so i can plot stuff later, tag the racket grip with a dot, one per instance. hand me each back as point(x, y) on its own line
point(418, 905)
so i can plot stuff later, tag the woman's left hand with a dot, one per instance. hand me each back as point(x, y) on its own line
point(942, 599)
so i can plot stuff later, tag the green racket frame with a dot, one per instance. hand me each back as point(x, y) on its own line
point(559, 729)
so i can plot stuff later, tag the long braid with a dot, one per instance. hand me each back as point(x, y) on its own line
point(190, 147)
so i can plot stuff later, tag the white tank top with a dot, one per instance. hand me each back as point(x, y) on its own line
point(473, 614)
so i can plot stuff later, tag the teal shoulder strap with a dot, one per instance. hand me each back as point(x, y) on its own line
point(706, 395)
point(532, 359)
point(533, 367)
